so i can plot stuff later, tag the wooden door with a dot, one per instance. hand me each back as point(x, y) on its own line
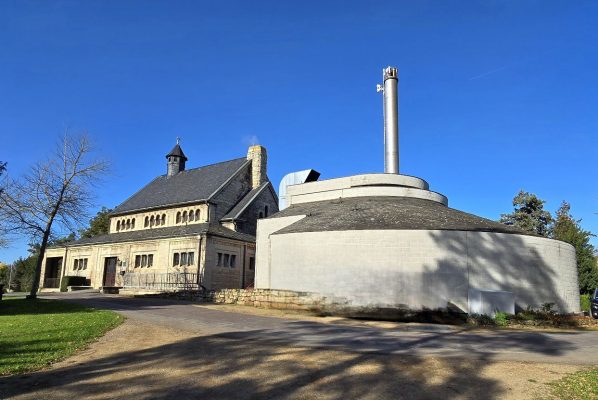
point(110, 271)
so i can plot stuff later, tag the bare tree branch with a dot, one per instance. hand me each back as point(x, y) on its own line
point(54, 194)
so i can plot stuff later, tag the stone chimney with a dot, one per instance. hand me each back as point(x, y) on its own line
point(259, 160)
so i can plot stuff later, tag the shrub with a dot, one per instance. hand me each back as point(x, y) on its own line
point(72, 281)
point(501, 318)
point(548, 308)
point(481, 320)
point(585, 302)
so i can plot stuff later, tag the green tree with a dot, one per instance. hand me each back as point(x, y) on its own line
point(98, 225)
point(529, 214)
point(24, 270)
point(568, 229)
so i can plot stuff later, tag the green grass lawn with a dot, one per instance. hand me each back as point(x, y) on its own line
point(577, 386)
point(36, 333)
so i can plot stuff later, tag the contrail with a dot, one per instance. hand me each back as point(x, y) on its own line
point(488, 73)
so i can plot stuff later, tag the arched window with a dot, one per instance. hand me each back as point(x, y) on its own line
point(178, 217)
point(123, 225)
point(128, 225)
point(191, 215)
point(184, 216)
point(133, 223)
point(163, 219)
point(197, 214)
point(260, 215)
point(152, 220)
point(266, 212)
point(146, 224)
point(117, 226)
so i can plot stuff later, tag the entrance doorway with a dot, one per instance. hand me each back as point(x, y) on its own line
point(110, 271)
point(52, 273)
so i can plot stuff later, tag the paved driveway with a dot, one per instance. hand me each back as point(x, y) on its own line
point(422, 340)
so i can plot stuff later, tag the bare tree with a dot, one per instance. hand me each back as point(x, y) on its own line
point(3, 227)
point(54, 194)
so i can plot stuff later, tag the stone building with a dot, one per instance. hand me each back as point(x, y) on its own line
point(187, 228)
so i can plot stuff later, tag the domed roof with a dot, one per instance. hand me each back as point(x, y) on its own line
point(380, 213)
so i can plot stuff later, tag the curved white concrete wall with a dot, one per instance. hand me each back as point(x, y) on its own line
point(416, 268)
point(387, 185)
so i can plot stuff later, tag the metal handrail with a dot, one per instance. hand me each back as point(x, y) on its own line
point(169, 281)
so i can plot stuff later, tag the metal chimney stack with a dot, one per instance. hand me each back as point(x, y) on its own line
point(391, 119)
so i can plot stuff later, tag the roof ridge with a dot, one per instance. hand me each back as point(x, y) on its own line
point(210, 165)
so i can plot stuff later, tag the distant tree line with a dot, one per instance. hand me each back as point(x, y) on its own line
point(529, 215)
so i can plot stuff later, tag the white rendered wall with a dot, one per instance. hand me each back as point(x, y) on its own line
point(417, 268)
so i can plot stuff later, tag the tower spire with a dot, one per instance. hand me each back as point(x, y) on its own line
point(176, 159)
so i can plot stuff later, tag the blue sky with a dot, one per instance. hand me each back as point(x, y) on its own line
point(494, 96)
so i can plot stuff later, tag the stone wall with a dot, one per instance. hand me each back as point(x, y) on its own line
point(263, 298)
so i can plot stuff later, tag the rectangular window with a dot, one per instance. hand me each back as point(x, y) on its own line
point(175, 259)
point(85, 263)
point(143, 261)
point(226, 260)
point(150, 260)
point(190, 258)
point(137, 261)
point(219, 262)
point(183, 258)
point(251, 263)
point(233, 259)
point(76, 266)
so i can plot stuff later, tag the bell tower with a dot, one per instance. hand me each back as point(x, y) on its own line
point(176, 159)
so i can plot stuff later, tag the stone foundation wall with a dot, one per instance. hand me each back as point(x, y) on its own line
point(263, 298)
point(266, 298)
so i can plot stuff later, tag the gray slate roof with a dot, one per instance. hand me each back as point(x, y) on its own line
point(193, 185)
point(245, 201)
point(374, 213)
point(160, 233)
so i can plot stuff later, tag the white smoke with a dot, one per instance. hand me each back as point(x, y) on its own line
point(251, 140)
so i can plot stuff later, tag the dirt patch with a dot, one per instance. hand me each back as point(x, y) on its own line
point(140, 360)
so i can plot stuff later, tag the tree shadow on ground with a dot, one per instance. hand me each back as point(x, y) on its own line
point(18, 306)
point(305, 360)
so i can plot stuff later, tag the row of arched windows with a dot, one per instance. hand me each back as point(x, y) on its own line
point(154, 220)
point(125, 224)
point(187, 216)
point(159, 220)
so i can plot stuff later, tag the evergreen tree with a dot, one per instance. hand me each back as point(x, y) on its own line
point(569, 230)
point(98, 225)
point(529, 214)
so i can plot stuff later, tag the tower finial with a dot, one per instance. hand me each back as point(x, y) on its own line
point(178, 140)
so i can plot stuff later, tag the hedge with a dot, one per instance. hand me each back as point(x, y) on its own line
point(585, 302)
point(72, 281)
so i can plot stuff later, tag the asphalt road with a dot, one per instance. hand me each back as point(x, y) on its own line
point(439, 340)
